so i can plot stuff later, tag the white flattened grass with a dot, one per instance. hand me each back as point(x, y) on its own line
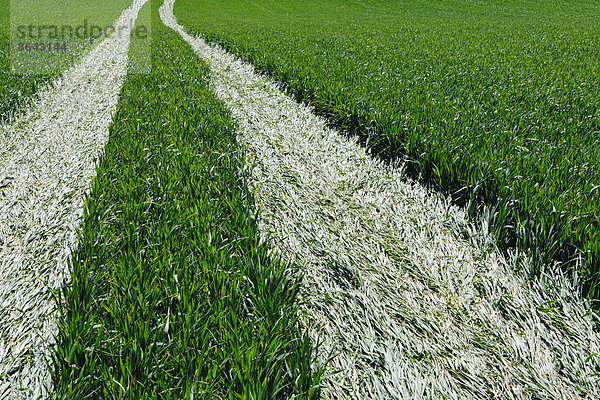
point(409, 298)
point(47, 158)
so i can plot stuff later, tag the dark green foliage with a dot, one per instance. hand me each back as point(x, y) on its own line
point(495, 102)
point(171, 292)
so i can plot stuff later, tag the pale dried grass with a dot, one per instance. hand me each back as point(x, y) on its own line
point(407, 297)
point(47, 160)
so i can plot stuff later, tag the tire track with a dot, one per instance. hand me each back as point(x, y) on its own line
point(409, 298)
point(47, 159)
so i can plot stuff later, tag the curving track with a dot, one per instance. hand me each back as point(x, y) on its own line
point(47, 160)
point(408, 298)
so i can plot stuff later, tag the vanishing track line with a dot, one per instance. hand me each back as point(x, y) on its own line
point(47, 160)
point(408, 297)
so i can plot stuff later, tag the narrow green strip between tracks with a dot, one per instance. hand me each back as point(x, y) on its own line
point(171, 293)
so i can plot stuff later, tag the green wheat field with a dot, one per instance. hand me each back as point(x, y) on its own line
point(172, 294)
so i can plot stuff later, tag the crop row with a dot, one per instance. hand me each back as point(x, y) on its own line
point(19, 86)
point(171, 292)
point(496, 103)
point(14, 89)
